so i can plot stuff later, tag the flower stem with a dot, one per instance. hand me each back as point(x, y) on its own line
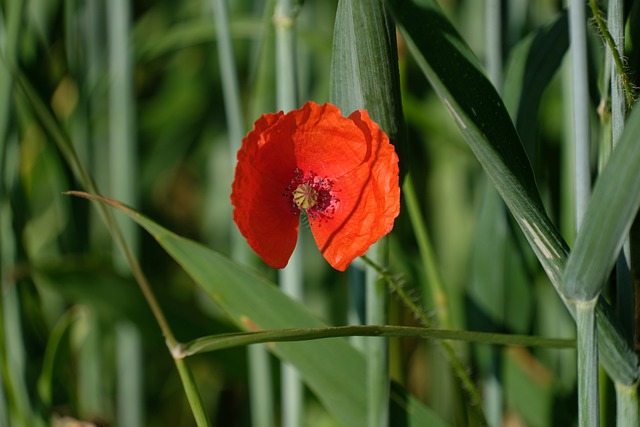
point(615, 47)
point(433, 281)
point(457, 365)
point(377, 349)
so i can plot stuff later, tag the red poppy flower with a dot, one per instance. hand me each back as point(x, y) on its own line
point(342, 172)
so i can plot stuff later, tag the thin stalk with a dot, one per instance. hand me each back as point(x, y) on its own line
point(377, 356)
point(433, 283)
point(357, 303)
point(626, 396)
point(618, 78)
point(493, 41)
point(456, 364)
point(580, 101)
point(228, 76)
point(625, 289)
point(612, 39)
point(122, 175)
point(493, 402)
point(236, 339)
point(588, 378)
point(291, 277)
point(193, 395)
point(284, 21)
point(122, 144)
point(130, 365)
point(291, 283)
point(260, 381)
point(260, 386)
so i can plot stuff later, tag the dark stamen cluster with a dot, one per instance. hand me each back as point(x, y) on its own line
point(325, 202)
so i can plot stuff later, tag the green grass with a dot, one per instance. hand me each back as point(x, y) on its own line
point(146, 103)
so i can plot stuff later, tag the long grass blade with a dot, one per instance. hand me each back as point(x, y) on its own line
point(220, 342)
point(609, 216)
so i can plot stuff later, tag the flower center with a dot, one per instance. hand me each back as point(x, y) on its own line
point(312, 194)
point(305, 196)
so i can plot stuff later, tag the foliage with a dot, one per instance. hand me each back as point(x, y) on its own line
point(107, 322)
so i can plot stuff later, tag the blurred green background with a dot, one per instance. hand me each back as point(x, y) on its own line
point(136, 87)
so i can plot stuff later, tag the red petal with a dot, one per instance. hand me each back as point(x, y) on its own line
point(357, 156)
point(263, 215)
point(353, 153)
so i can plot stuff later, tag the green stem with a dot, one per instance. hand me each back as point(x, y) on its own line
point(433, 282)
point(122, 143)
point(493, 402)
point(457, 365)
point(130, 365)
point(615, 51)
point(286, 76)
point(377, 350)
point(260, 386)
point(627, 405)
point(587, 347)
point(291, 277)
point(580, 101)
point(493, 43)
point(225, 341)
point(193, 395)
point(123, 171)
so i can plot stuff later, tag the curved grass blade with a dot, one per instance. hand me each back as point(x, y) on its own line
point(480, 114)
point(610, 214)
point(222, 341)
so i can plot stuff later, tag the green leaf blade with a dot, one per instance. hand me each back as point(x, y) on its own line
point(611, 211)
point(333, 369)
